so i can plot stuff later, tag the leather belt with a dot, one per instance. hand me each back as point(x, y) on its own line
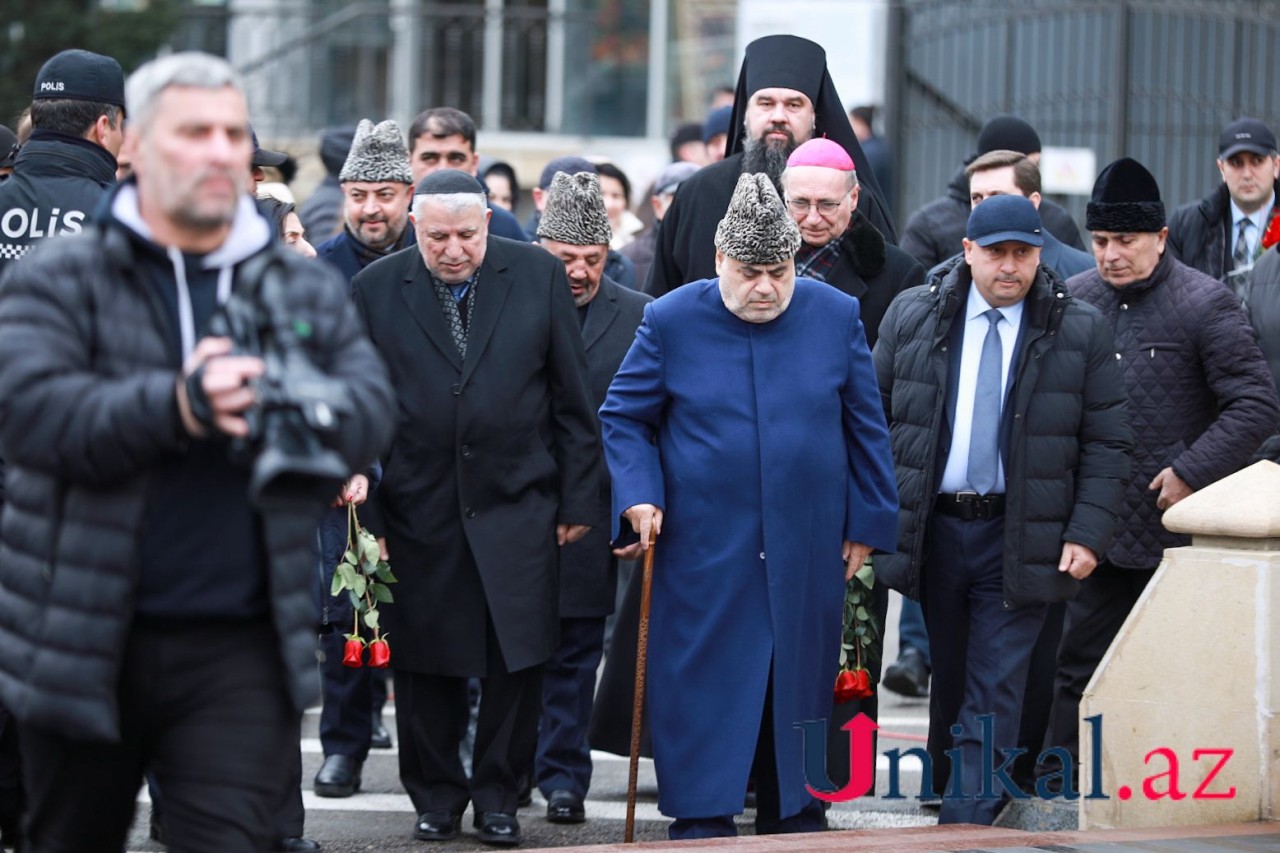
point(970, 506)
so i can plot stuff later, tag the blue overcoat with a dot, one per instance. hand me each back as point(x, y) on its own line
point(766, 446)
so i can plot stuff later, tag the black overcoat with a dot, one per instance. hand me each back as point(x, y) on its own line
point(488, 456)
point(588, 569)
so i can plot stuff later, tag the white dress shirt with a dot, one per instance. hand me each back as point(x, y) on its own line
point(955, 477)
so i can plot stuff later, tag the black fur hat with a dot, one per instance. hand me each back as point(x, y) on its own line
point(1125, 198)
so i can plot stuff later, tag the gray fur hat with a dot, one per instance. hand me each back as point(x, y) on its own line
point(574, 213)
point(756, 228)
point(377, 155)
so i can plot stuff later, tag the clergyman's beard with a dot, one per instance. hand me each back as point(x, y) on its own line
point(759, 155)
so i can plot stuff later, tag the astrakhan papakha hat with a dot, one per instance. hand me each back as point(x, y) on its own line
point(1126, 198)
point(757, 228)
point(378, 154)
point(574, 212)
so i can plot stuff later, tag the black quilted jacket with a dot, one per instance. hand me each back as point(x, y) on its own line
point(87, 409)
point(1068, 440)
point(1200, 395)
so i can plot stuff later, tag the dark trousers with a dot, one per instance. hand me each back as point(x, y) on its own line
point(352, 698)
point(1093, 619)
point(205, 708)
point(568, 688)
point(912, 633)
point(1037, 702)
point(290, 817)
point(764, 770)
point(981, 652)
point(432, 712)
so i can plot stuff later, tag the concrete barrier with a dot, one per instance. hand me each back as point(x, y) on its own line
point(1188, 692)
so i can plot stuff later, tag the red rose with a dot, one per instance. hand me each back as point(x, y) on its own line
point(379, 654)
point(862, 684)
point(1272, 235)
point(846, 686)
point(352, 654)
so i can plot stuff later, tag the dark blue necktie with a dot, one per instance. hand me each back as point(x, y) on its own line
point(983, 436)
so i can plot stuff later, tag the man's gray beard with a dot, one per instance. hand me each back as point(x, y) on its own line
point(771, 159)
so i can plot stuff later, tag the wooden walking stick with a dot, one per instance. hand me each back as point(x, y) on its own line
point(637, 708)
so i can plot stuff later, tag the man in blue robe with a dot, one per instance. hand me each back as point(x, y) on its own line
point(745, 424)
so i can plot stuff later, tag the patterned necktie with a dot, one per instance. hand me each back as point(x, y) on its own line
point(1240, 257)
point(984, 433)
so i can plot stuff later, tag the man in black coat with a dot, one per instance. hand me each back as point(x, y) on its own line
point(934, 232)
point(155, 615)
point(574, 227)
point(496, 462)
point(62, 172)
point(1201, 401)
point(1221, 234)
point(1007, 415)
point(785, 97)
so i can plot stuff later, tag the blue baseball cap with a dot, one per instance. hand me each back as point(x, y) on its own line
point(1005, 217)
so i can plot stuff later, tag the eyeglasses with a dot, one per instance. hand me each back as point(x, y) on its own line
point(802, 206)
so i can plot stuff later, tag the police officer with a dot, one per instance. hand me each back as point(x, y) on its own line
point(61, 173)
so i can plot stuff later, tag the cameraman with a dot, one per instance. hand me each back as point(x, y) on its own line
point(151, 615)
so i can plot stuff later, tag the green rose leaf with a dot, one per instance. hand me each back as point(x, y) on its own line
point(381, 593)
point(371, 618)
point(384, 572)
point(867, 575)
point(361, 585)
point(348, 575)
point(357, 602)
point(862, 613)
point(336, 587)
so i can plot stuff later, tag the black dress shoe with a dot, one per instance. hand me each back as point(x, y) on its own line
point(294, 844)
point(908, 675)
point(498, 828)
point(381, 738)
point(339, 776)
point(441, 825)
point(565, 807)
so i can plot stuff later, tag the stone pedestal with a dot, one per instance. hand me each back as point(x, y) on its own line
point(1194, 675)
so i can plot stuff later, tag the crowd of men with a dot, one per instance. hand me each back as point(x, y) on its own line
point(994, 413)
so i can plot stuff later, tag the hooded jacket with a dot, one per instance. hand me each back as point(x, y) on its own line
point(88, 415)
point(1065, 438)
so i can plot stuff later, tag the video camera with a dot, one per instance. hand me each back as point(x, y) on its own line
point(295, 402)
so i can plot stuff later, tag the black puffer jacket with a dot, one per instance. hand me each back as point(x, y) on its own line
point(934, 231)
point(1068, 441)
point(87, 413)
point(1200, 396)
point(57, 184)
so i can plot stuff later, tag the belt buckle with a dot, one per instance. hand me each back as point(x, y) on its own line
point(968, 504)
